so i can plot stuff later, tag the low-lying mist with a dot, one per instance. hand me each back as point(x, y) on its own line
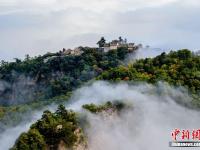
point(19, 91)
point(144, 53)
point(156, 113)
point(148, 126)
point(9, 135)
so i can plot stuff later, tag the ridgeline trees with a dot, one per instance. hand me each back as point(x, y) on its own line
point(62, 128)
point(53, 74)
point(179, 68)
point(49, 131)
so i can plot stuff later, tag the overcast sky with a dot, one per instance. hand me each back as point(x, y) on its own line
point(38, 26)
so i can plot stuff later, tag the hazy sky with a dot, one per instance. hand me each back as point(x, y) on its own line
point(37, 26)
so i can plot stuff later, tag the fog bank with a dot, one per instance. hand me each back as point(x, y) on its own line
point(149, 125)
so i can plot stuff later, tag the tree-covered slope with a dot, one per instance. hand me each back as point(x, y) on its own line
point(52, 131)
point(53, 74)
point(63, 129)
point(33, 83)
point(178, 68)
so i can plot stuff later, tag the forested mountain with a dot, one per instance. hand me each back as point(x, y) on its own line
point(53, 74)
point(178, 68)
point(50, 131)
point(36, 82)
point(58, 75)
point(63, 129)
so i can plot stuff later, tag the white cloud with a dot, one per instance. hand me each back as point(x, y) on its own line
point(37, 26)
point(90, 5)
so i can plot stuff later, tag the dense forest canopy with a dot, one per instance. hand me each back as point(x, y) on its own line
point(53, 74)
point(33, 83)
point(178, 68)
point(49, 131)
point(63, 126)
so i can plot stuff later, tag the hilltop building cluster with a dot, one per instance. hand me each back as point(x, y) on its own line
point(104, 46)
point(76, 51)
point(115, 44)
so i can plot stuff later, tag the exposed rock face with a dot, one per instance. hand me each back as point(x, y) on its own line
point(62, 145)
point(59, 127)
point(80, 144)
point(109, 114)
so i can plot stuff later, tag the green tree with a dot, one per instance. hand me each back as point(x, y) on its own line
point(101, 42)
point(32, 140)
